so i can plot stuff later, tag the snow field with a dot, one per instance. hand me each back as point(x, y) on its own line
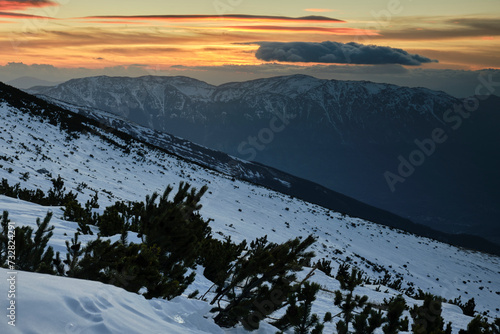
point(239, 209)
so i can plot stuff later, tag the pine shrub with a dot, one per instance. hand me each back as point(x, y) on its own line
point(299, 312)
point(395, 308)
point(260, 281)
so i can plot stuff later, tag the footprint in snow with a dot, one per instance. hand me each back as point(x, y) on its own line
point(85, 308)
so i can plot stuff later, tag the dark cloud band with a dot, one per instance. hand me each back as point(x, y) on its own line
point(10, 15)
point(311, 18)
point(336, 53)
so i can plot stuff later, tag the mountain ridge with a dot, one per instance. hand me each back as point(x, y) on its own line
point(344, 135)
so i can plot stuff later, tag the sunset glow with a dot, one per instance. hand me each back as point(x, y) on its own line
point(153, 34)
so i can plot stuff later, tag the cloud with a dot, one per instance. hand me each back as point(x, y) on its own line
point(334, 31)
point(483, 24)
point(21, 16)
point(442, 29)
point(153, 50)
point(9, 5)
point(14, 70)
point(482, 56)
point(237, 17)
point(274, 69)
point(318, 10)
point(336, 53)
point(51, 39)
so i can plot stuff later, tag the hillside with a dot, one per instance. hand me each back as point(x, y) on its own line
point(37, 146)
point(92, 307)
point(272, 178)
point(343, 135)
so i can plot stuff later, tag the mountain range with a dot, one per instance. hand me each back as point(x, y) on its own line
point(412, 151)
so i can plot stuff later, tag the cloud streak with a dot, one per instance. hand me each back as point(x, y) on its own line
point(83, 38)
point(454, 28)
point(8, 5)
point(21, 16)
point(335, 31)
point(318, 10)
point(237, 17)
point(336, 53)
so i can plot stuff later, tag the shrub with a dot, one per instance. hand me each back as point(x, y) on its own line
point(427, 318)
point(264, 276)
point(218, 257)
point(298, 314)
point(31, 251)
point(325, 266)
point(395, 309)
point(177, 229)
point(348, 302)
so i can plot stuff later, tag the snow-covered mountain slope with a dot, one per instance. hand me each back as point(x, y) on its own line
point(129, 170)
point(50, 304)
point(270, 177)
point(340, 104)
point(343, 135)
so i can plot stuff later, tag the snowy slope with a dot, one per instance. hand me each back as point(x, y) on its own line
point(239, 209)
point(294, 95)
point(92, 307)
point(328, 132)
point(50, 304)
point(270, 177)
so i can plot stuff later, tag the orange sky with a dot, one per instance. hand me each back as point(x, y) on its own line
point(35, 32)
point(152, 33)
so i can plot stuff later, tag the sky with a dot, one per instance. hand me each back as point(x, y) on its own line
point(444, 45)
